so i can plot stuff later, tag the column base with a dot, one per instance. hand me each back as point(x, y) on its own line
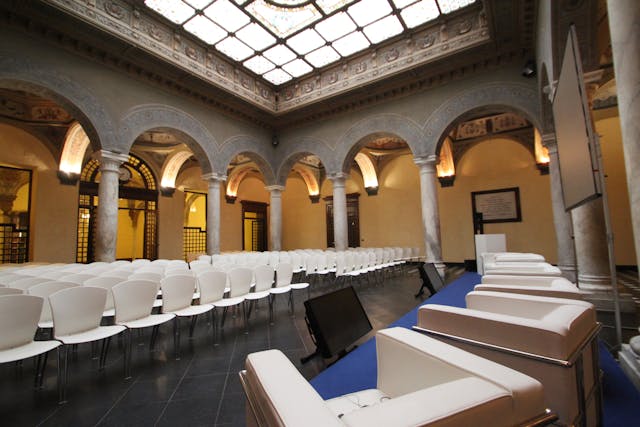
point(569, 271)
point(594, 283)
point(630, 363)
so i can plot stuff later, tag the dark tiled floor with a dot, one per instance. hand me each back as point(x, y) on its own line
point(202, 388)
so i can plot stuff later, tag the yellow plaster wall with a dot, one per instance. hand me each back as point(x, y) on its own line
point(170, 223)
point(490, 165)
point(303, 222)
point(51, 203)
point(251, 189)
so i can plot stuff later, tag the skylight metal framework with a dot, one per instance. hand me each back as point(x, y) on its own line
point(284, 39)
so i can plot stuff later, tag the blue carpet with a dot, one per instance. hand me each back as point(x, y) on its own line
point(357, 370)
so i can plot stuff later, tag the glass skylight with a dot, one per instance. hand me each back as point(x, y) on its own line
point(366, 11)
point(205, 29)
point(256, 36)
point(234, 48)
point(297, 68)
point(306, 41)
point(419, 13)
point(277, 76)
point(268, 36)
point(323, 56)
point(336, 26)
point(280, 54)
point(227, 15)
point(259, 65)
point(383, 29)
point(175, 10)
point(351, 43)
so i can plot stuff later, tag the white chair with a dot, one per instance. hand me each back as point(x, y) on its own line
point(213, 285)
point(263, 275)
point(284, 275)
point(28, 282)
point(43, 290)
point(133, 301)
point(78, 278)
point(106, 282)
point(177, 296)
point(420, 382)
point(550, 339)
point(522, 269)
point(10, 291)
point(240, 285)
point(19, 316)
point(76, 316)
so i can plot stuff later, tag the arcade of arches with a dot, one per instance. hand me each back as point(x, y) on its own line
point(118, 165)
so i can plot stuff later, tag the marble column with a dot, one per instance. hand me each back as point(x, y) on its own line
point(107, 221)
point(430, 213)
point(592, 253)
point(213, 211)
point(561, 218)
point(275, 219)
point(624, 24)
point(340, 225)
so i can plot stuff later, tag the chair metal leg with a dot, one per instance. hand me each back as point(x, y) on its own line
point(272, 299)
point(176, 337)
point(154, 336)
point(127, 354)
point(194, 319)
point(246, 319)
point(63, 352)
point(214, 326)
point(103, 353)
point(291, 302)
point(224, 315)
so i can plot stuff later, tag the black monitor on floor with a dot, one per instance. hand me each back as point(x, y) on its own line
point(430, 278)
point(336, 320)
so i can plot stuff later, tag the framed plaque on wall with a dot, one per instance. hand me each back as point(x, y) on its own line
point(501, 205)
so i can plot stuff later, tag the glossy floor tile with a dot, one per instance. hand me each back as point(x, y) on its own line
point(202, 387)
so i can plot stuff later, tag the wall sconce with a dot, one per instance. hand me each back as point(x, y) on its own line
point(68, 178)
point(371, 191)
point(543, 168)
point(230, 199)
point(446, 181)
point(315, 198)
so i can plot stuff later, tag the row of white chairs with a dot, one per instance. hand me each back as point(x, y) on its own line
point(76, 311)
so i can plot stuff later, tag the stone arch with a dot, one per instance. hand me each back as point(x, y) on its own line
point(75, 98)
point(257, 151)
point(513, 97)
point(153, 116)
point(305, 147)
point(371, 128)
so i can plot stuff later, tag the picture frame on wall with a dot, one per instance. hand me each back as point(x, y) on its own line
point(500, 205)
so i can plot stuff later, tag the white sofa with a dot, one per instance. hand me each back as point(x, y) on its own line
point(522, 269)
point(421, 382)
point(550, 339)
point(556, 287)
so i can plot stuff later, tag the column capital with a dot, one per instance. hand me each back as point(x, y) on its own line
point(214, 176)
point(110, 161)
point(334, 176)
point(426, 163)
point(548, 140)
point(274, 188)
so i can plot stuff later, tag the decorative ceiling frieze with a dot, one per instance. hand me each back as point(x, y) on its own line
point(137, 26)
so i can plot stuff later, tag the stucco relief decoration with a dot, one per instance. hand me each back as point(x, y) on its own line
point(507, 121)
point(309, 180)
point(173, 167)
point(307, 87)
point(221, 69)
point(75, 145)
point(245, 82)
point(472, 129)
point(288, 94)
point(465, 26)
point(114, 9)
point(191, 52)
point(49, 113)
point(392, 55)
point(360, 67)
point(333, 77)
point(11, 108)
point(428, 40)
point(264, 92)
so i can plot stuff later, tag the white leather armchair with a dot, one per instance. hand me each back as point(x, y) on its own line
point(421, 382)
point(550, 339)
point(522, 268)
point(556, 287)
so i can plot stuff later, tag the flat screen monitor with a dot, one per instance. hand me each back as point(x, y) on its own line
point(337, 320)
point(433, 275)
